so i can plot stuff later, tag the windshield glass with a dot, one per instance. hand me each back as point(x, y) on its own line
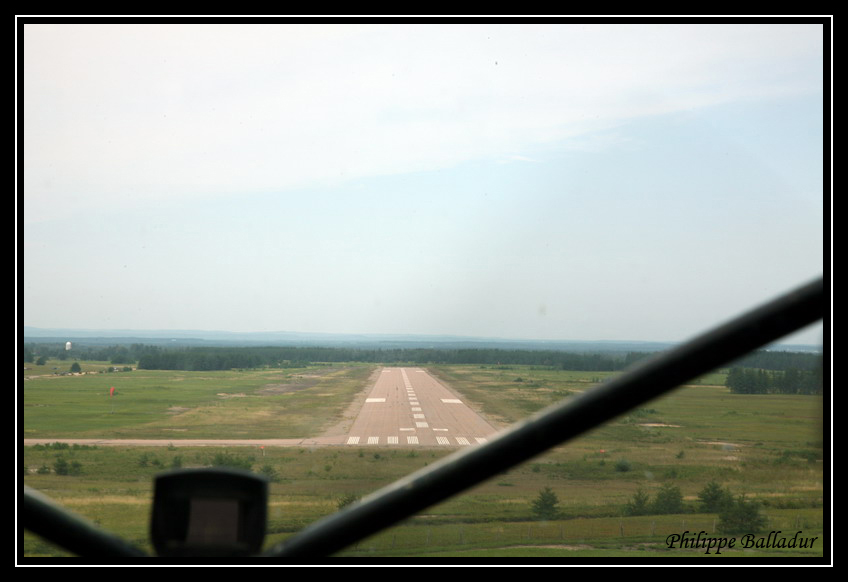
point(334, 253)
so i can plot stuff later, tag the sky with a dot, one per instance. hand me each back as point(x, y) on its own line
point(576, 181)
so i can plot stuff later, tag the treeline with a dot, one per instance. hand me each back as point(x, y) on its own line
point(115, 354)
point(766, 360)
point(763, 371)
point(227, 358)
point(759, 381)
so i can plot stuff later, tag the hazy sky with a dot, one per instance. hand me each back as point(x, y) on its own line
point(577, 181)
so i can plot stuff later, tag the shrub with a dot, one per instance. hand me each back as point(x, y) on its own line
point(346, 500)
point(714, 498)
point(638, 505)
point(269, 472)
point(225, 460)
point(668, 500)
point(741, 516)
point(545, 504)
point(63, 467)
point(60, 467)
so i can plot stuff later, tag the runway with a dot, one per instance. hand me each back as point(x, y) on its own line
point(406, 407)
point(409, 407)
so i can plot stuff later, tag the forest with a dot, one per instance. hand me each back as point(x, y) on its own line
point(759, 372)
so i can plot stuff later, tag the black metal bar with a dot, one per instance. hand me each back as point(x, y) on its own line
point(73, 533)
point(558, 424)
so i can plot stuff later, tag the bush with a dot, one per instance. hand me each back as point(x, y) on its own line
point(347, 500)
point(622, 465)
point(63, 467)
point(668, 500)
point(638, 505)
point(741, 516)
point(545, 505)
point(225, 460)
point(269, 472)
point(714, 498)
point(60, 467)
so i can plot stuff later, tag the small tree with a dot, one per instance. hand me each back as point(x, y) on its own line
point(75, 367)
point(714, 498)
point(741, 516)
point(270, 473)
point(668, 500)
point(347, 499)
point(545, 504)
point(638, 505)
point(622, 465)
point(63, 467)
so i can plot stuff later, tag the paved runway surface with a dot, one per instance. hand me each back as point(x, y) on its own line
point(408, 407)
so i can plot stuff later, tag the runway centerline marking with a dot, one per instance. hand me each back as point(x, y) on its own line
point(426, 400)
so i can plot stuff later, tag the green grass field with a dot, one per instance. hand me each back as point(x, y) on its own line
point(767, 447)
point(158, 404)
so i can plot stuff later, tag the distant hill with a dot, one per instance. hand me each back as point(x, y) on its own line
point(370, 341)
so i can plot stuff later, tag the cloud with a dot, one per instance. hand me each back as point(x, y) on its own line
point(132, 113)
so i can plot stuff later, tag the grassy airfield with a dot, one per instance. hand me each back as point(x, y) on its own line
point(767, 447)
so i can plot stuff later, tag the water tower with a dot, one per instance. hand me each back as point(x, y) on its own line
point(67, 346)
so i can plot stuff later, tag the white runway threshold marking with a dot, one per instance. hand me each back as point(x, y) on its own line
point(418, 418)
